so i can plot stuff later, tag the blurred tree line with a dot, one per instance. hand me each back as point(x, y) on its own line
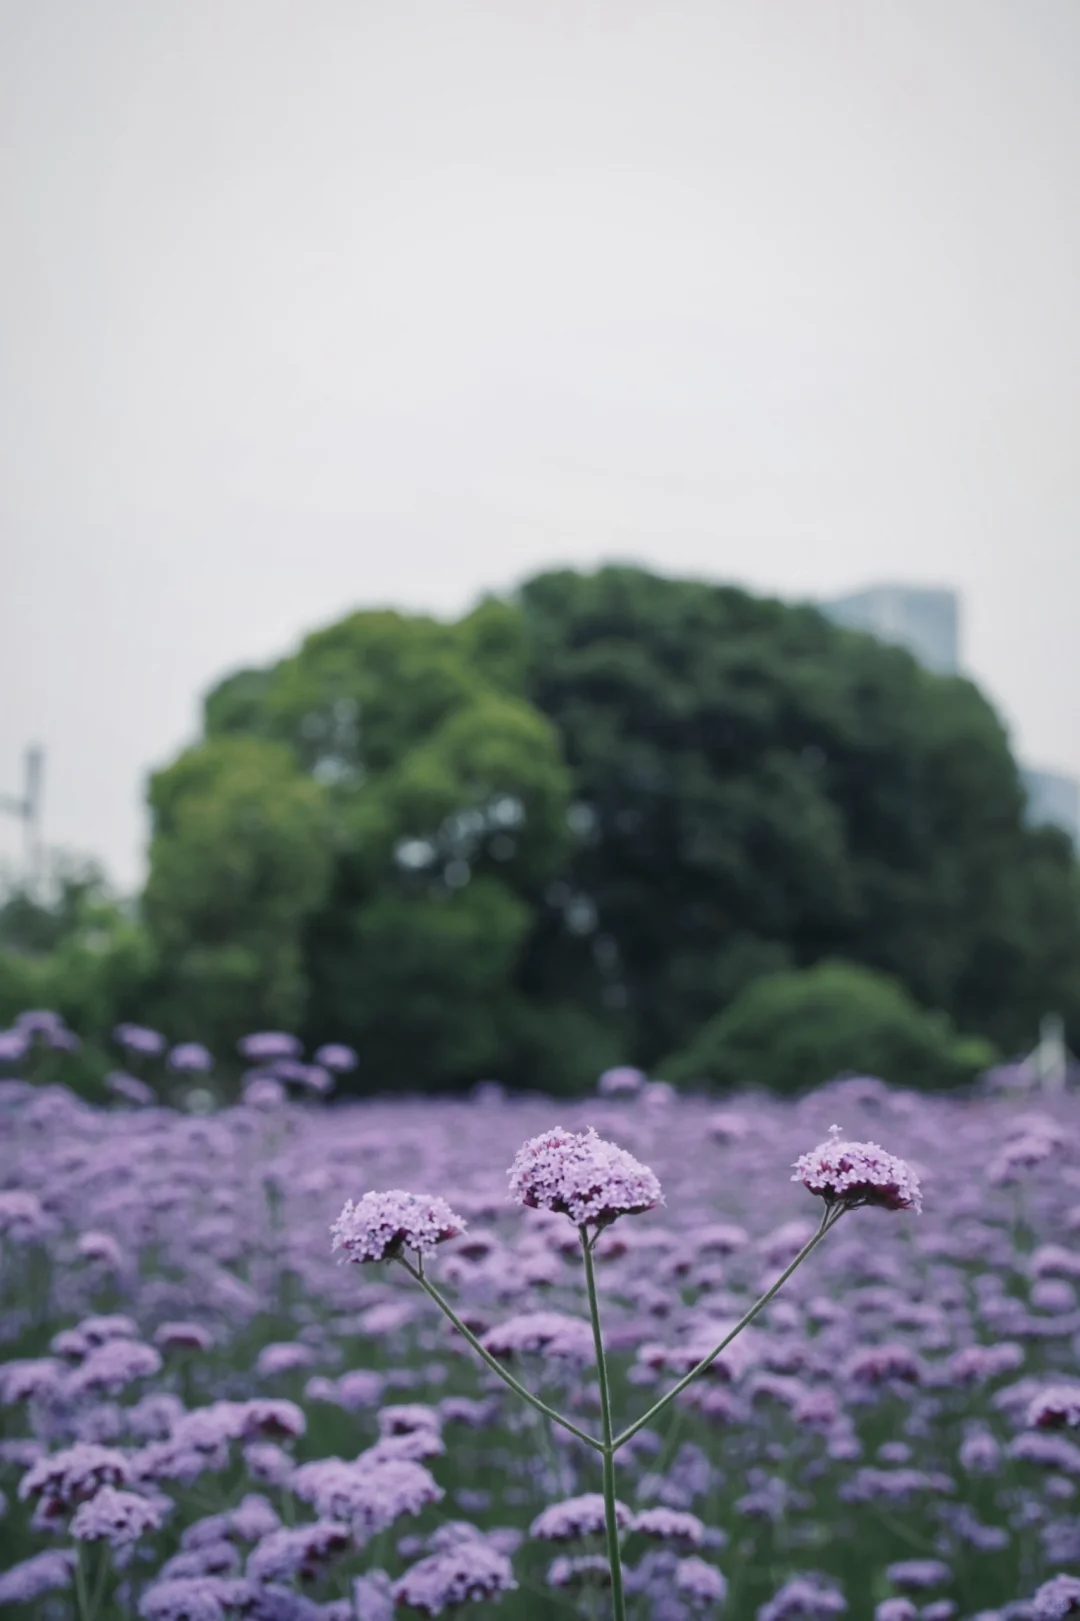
point(617, 818)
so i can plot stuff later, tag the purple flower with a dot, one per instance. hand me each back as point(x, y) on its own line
point(543, 1333)
point(1056, 1408)
point(852, 1174)
point(13, 1046)
point(337, 1058)
point(883, 1364)
point(44, 1573)
point(129, 1089)
point(807, 1598)
point(380, 1225)
point(576, 1517)
point(100, 1247)
point(1057, 1599)
point(699, 1582)
point(136, 1038)
point(22, 1217)
point(63, 1479)
point(622, 1081)
point(23, 1380)
point(193, 1598)
point(183, 1337)
point(191, 1058)
point(1048, 1451)
point(583, 1570)
point(116, 1517)
point(283, 1356)
point(264, 1092)
point(113, 1366)
point(39, 1022)
point(370, 1496)
point(896, 1609)
point(670, 1525)
point(301, 1550)
point(582, 1176)
point(917, 1574)
point(264, 1045)
point(471, 1570)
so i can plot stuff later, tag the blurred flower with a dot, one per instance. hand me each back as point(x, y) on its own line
point(576, 1517)
point(191, 1058)
point(117, 1517)
point(623, 1081)
point(472, 1570)
point(136, 1038)
point(263, 1045)
point(336, 1057)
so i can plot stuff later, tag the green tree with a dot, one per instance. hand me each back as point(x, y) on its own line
point(447, 795)
point(78, 950)
point(791, 1031)
point(240, 857)
point(759, 787)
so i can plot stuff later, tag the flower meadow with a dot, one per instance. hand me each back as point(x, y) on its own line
point(293, 1359)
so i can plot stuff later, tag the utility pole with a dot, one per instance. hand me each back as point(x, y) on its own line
point(28, 810)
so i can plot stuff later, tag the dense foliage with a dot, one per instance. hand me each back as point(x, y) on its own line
point(571, 829)
point(802, 1026)
point(224, 1424)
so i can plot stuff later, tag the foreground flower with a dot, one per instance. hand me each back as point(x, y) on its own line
point(472, 1570)
point(580, 1175)
point(380, 1225)
point(852, 1174)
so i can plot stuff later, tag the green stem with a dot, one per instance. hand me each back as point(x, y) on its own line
point(829, 1219)
point(82, 1602)
point(618, 1602)
point(496, 1367)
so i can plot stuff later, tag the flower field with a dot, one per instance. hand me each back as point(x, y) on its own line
point(209, 1411)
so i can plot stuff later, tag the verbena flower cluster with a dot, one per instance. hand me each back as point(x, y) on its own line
point(380, 1225)
point(853, 1174)
point(580, 1175)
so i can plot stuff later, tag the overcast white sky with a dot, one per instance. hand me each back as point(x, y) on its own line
point(317, 304)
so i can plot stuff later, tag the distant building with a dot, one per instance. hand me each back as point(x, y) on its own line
point(1053, 799)
point(925, 620)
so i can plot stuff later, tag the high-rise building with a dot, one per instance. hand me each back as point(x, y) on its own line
point(924, 619)
point(1052, 799)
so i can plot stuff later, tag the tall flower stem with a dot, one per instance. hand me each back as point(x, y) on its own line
point(495, 1366)
point(829, 1219)
point(618, 1601)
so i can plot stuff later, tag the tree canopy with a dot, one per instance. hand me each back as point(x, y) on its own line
point(576, 826)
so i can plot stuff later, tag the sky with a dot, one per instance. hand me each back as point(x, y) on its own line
point(311, 307)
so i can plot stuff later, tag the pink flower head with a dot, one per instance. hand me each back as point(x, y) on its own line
point(582, 1176)
point(853, 1174)
point(380, 1225)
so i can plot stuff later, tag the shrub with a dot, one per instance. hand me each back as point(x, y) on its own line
point(792, 1030)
